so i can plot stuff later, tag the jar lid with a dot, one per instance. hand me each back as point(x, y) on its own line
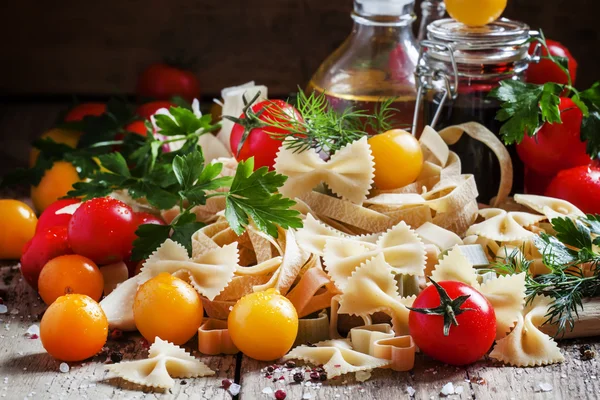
point(503, 40)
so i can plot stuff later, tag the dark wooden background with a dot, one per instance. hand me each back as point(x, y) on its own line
point(98, 47)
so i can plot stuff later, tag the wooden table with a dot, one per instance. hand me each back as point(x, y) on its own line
point(28, 372)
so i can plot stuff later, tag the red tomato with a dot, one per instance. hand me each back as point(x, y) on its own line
point(548, 71)
point(103, 230)
point(580, 186)
point(148, 109)
point(84, 109)
point(161, 82)
point(259, 143)
point(49, 218)
point(556, 146)
point(466, 342)
point(147, 218)
point(44, 246)
point(138, 127)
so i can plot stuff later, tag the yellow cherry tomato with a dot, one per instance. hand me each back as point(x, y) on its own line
point(475, 12)
point(65, 136)
point(263, 325)
point(73, 328)
point(169, 308)
point(17, 227)
point(398, 159)
point(57, 181)
point(70, 273)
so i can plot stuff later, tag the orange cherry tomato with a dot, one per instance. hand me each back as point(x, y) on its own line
point(169, 308)
point(398, 159)
point(70, 273)
point(57, 181)
point(73, 328)
point(17, 227)
point(65, 136)
point(475, 12)
point(82, 110)
point(263, 325)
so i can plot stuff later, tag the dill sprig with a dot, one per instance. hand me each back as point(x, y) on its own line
point(574, 269)
point(325, 129)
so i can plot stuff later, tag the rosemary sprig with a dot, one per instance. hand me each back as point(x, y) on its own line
point(325, 129)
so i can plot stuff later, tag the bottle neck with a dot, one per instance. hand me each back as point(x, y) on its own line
point(387, 13)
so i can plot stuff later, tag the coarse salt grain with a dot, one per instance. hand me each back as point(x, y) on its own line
point(234, 389)
point(410, 391)
point(33, 331)
point(3, 309)
point(544, 387)
point(267, 390)
point(448, 389)
point(64, 368)
point(306, 396)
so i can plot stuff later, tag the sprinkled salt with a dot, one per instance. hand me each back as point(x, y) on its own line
point(306, 396)
point(234, 389)
point(267, 390)
point(64, 368)
point(458, 390)
point(411, 391)
point(448, 389)
point(362, 376)
point(33, 331)
point(544, 387)
point(3, 309)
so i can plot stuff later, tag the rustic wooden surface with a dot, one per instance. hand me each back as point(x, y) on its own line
point(99, 47)
point(27, 372)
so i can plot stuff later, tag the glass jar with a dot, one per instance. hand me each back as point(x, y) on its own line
point(458, 67)
point(375, 63)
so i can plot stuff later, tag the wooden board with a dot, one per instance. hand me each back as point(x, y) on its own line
point(99, 48)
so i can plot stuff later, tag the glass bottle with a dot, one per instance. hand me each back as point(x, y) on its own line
point(375, 63)
point(457, 69)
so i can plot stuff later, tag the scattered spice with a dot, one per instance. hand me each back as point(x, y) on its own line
point(315, 376)
point(280, 395)
point(183, 382)
point(478, 380)
point(270, 368)
point(116, 357)
point(298, 377)
point(587, 352)
point(290, 364)
point(116, 334)
point(226, 383)
point(323, 376)
point(234, 389)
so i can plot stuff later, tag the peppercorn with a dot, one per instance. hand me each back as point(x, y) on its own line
point(116, 357)
point(270, 368)
point(280, 394)
point(587, 352)
point(225, 383)
point(314, 376)
point(298, 377)
point(290, 364)
point(323, 376)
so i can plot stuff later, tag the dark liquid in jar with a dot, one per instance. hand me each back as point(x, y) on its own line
point(476, 158)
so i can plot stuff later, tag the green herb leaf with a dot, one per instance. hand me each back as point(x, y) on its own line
point(150, 237)
point(549, 102)
point(183, 122)
point(114, 162)
point(184, 228)
point(188, 168)
point(590, 132)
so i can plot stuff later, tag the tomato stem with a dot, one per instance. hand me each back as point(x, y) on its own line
point(250, 121)
point(448, 308)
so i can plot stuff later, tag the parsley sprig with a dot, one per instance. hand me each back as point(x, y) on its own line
point(574, 264)
point(525, 107)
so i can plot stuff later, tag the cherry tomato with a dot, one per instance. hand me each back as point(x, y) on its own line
point(44, 246)
point(398, 159)
point(580, 186)
point(263, 325)
point(556, 146)
point(162, 82)
point(138, 127)
point(475, 12)
point(84, 109)
point(546, 70)
point(168, 308)
point(67, 274)
point(17, 227)
point(259, 143)
point(147, 110)
point(466, 342)
point(50, 218)
point(147, 218)
point(55, 184)
point(73, 328)
point(65, 136)
point(103, 230)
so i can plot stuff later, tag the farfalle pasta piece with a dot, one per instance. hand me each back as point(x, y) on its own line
point(507, 296)
point(209, 273)
point(504, 226)
point(349, 172)
point(455, 267)
point(337, 357)
point(438, 236)
point(313, 235)
point(526, 345)
point(549, 206)
point(401, 247)
point(165, 361)
point(372, 288)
